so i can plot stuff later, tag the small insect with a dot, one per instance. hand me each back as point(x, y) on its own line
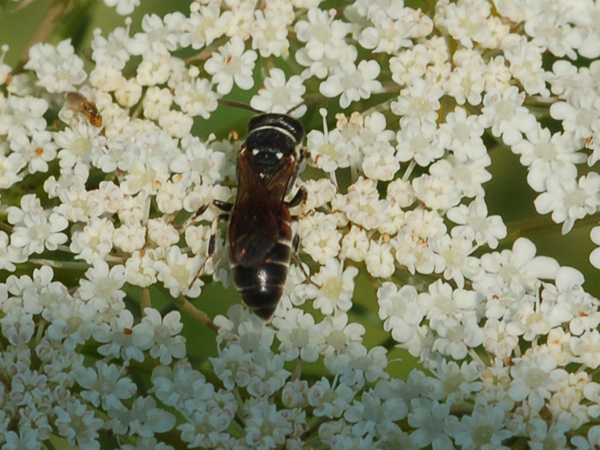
point(78, 103)
point(259, 227)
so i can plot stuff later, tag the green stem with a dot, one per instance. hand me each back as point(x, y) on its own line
point(72, 265)
point(196, 314)
point(57, 11)
point(540, 226)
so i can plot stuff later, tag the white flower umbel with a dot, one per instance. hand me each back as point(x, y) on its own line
point(118, 159)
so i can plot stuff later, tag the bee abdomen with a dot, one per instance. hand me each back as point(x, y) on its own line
point(261, 287)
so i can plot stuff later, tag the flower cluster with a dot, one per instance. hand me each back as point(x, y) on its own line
point(107, 189)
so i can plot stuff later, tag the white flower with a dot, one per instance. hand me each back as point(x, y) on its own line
point(118, 338)
point(58, 69)
point(503, 113)
point(455, 337)
point(123, 7)
point(104, 284)
point(362, 205)
point(435, 192)
point(583, 14)
point(325, 42)
point(329, 401)
point(534, 377)
point(129, 238)
point(352, 82)
point(466, 82)
point(420, 100)
point(76, 146)
point(9, 254)
point(160, 36)
point(160, 335)
point(78, 424)
point(111, 51)
point(519, 269)
point(468, 175)
point(546, 154)
point(433, 422)
point(35, 228)
point(595, 255)
point(154, 69)
point(22, 116)
point(355, 244)
point(592, 441)
point(336, 287)
point(476, 225)
point(386, 35)
point(569, 200)
point(578, 116)
point(148, 419)
point(37, 153)
point(205, 24)
point(379, 260)
point(329, 149)
point(105, 385)
point(269, 31)
point(10, 169)
point(485, 427)
point(525, 60)
point(319, 237)
point(323, 35)
point(232, 63)
point(417, 140)
point(177, 270)
point(265, 426)
point(299, 336)
point(400, 311)
point(129, 93)
point(196, 97)
point(374, 415)
point(410, 64)
point(380, 162)
point(280, 96)
point(94, 240)
point(176, 123)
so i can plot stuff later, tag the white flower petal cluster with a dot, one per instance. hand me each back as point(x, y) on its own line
point(107, 208)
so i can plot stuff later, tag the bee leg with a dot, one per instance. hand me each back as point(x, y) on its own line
point(194, 216)
point(298, 199)
point(213, 237)
point(223, 206)
point(295, 244)
point(302, 156)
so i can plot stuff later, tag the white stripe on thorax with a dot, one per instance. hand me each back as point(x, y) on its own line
point(280, 129)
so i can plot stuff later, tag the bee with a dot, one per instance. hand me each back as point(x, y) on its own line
point(259, 228)
point(78, 103)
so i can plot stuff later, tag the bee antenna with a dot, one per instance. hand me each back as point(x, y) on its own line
point(309, 101)
point(239, 105)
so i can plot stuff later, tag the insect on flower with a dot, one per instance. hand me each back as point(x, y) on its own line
point(259, 229)
point(78, 103)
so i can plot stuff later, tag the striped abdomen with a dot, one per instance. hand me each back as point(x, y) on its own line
point(261, 285)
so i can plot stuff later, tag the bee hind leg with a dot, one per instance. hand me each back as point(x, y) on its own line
point(295, 244)
point(223, 206)
point(298, 199)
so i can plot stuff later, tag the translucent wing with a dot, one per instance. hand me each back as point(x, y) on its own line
point(256, 217)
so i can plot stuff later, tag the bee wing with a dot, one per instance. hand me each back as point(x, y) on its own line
point(257, 215)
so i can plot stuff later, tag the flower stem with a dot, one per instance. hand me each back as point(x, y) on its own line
point(196, 314)
point(53, 16)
